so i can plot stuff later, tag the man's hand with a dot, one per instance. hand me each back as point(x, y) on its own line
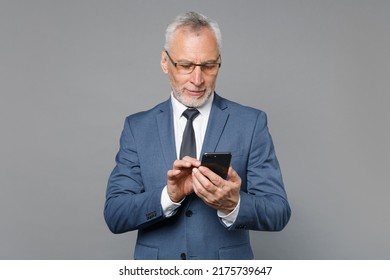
point(216, 192)
point(179, 179)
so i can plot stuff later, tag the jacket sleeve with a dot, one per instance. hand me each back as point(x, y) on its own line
point(264, 204)
point(128, 205)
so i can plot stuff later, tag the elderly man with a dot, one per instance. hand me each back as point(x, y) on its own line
point(181, 209)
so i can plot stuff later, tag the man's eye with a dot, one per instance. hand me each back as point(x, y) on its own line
point(185, 66)
point(209, 66)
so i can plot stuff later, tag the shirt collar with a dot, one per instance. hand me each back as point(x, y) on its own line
point(179, 108)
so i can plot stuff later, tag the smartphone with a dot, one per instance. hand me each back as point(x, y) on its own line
point(217, 162)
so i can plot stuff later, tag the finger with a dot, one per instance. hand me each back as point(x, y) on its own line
point(212, 177)
point(194, 162)
point(203, 188)
point(186, 162)
point(204, 181)
point(181, 164)
point(173, 173)
point(211, 199)
point(196, 184)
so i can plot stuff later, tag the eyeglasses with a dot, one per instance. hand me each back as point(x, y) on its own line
point(208, 68)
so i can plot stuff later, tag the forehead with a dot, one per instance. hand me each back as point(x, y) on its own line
point(199, 44)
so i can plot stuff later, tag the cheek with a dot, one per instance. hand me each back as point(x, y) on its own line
point(210, 81)
point(177, 81)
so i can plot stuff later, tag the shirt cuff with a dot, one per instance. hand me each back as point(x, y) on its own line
point(168, 206)
point(230, 218)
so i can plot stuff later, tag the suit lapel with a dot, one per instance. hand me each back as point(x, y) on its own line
point(215, 127)
point(216, 124)
point(164, 121)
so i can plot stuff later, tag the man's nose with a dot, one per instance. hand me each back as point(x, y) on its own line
point(197, 76)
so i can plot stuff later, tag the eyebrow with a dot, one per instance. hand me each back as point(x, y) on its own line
point(204, 62)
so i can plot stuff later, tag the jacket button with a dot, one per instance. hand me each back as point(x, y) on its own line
point(183, 256)
point(189, 213)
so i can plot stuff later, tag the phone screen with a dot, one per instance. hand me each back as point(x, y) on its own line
point(217, 162)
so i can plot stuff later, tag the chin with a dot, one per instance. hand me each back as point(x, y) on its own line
point(193, 101)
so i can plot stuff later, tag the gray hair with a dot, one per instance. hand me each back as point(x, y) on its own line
point(194, 21)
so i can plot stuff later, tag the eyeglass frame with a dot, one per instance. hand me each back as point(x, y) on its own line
point(201, 65)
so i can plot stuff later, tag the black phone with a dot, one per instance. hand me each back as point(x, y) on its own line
point(218, 162)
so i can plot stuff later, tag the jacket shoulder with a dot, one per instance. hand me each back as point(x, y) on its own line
point(150, 113)
point(238, 109)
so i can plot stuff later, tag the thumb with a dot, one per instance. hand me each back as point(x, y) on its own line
point(233, 175)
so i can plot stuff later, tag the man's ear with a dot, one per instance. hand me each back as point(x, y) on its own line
point(164, 62)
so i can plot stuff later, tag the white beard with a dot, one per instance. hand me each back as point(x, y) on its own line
point(195, 101)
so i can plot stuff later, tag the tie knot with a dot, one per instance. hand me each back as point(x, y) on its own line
point(191, 113)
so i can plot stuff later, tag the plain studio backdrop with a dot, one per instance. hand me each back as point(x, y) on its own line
point(71, 71)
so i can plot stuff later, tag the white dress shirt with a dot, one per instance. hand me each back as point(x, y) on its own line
point(200, 125)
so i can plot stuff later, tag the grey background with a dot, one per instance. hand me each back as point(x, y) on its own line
point(71, 71)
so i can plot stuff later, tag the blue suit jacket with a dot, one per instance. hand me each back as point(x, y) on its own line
point(147, 152)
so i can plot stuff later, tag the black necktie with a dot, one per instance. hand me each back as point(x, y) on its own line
point(188, 144)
